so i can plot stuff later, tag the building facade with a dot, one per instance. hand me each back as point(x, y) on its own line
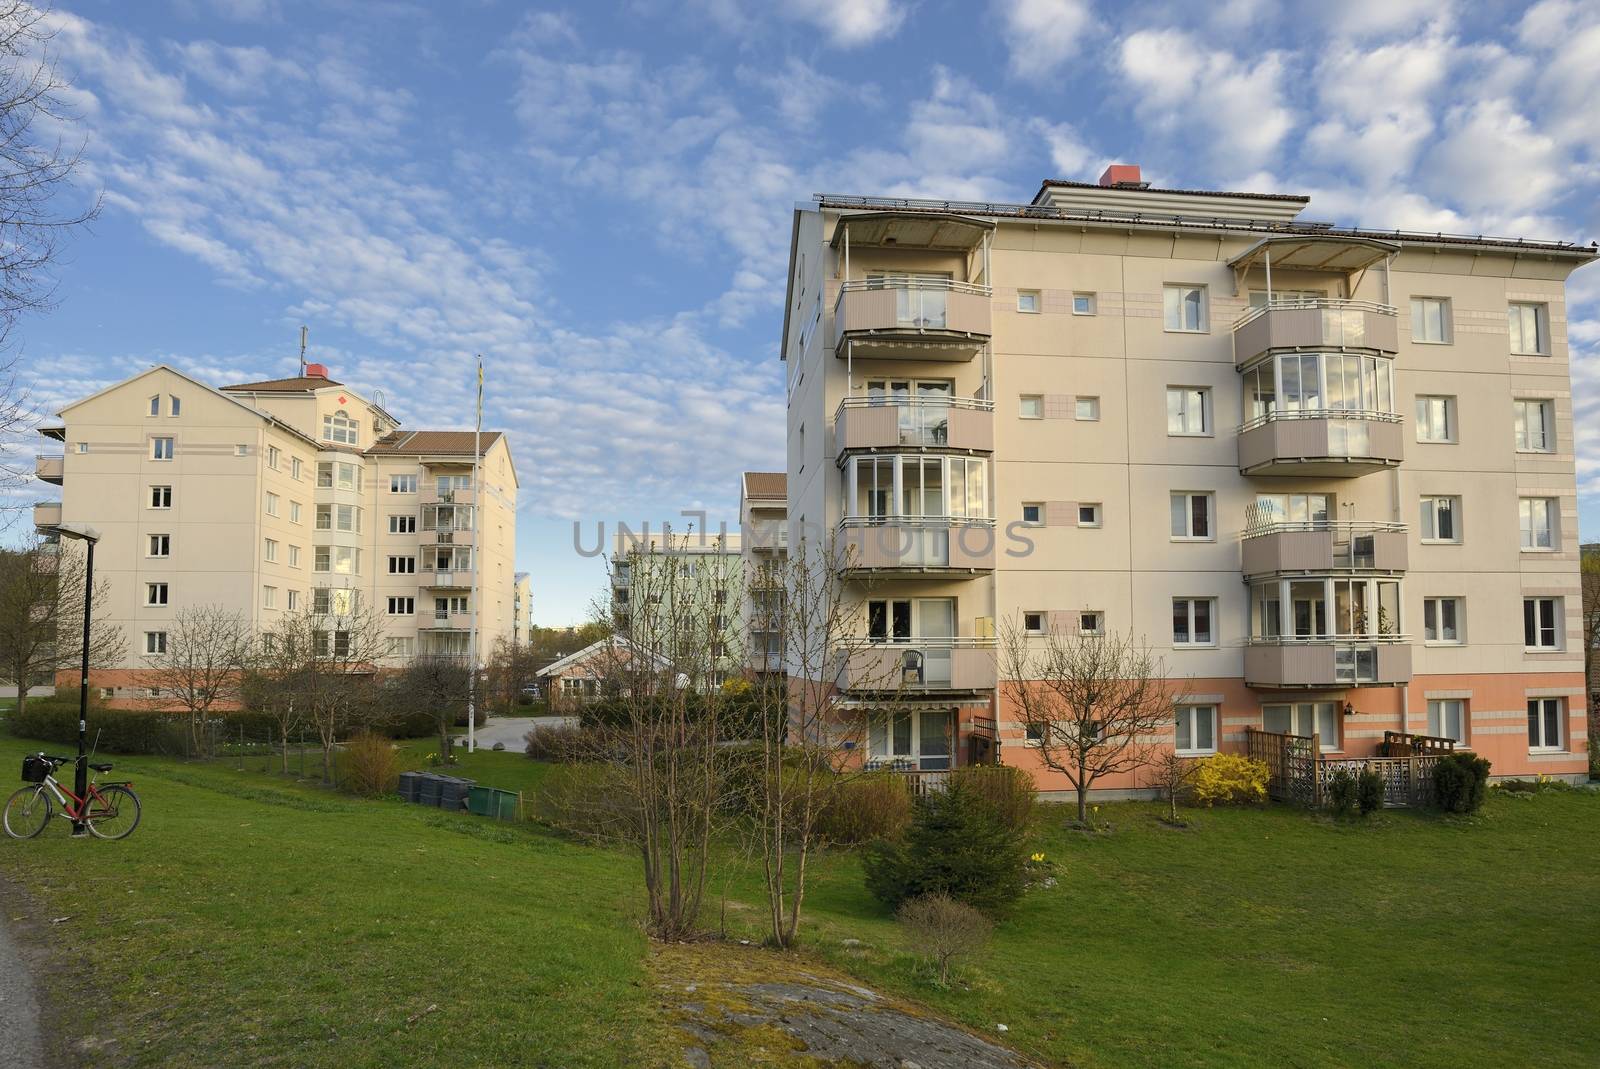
point(1327, 473)
point(265, 497)
point(665, 584)
point(521, 608)
point(764, 530)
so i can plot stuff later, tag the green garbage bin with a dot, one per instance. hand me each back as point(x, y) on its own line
point(492, 802)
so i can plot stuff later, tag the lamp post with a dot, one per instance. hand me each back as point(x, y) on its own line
point(80, 784)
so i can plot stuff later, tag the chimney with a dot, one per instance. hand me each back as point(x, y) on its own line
point(316, 371)
point(1123, 176)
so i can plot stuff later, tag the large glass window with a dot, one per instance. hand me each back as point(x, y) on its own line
point(1293, 508)
point(928, 487)
point(914, 738)
point(1314, 383)
point(1305, 719)
point(339, 427)
point(1441, 620)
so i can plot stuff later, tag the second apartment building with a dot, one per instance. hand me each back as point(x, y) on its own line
point(1327, 472)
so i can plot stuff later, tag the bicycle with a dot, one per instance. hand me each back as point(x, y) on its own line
point(110, 811)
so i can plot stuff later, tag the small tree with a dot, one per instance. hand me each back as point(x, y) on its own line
point(940, 929)
point(1172, 775)
point(202, 669)
point(959, 844)
point(1093, 705)
point(1591, 650)
point(437, 683)
point(511, 668)
point(41, 615)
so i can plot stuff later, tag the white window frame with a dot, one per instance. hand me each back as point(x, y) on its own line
point(1538, 710)
point(1533, 537)
point(1419, 318)
point(1099, 628)
point(157, 595)
point(294, 600)
point(294, 512)
point(1518, 313)
point(272, 503)
point(156, 448)
point(274, 457)
point(402, 523)
point(294, 556)
point(1188, 514)
point(174, 405)
point(1087, 299)
point(1036, 400)
point(270, 549)
point(157, 495)
point(398, 562)
point(1091, 414)
point(400, 605)
point(1523, 413)
point(1190, 604)
point(1037, 300)
point(1043, 626)
point(165, 546)
point(1444, 406)
point(1190, 715)
point(1440, 711)
point(1310, 715)
point(155, 405)
point(155, 643)
point(1556, 628)
point(1429, 526)
point(269, 597)
point(1023, 512)
point(1188, 397)
point(340, 427)
point(1096, 518)
point(403, 484)
point(1175, 302)
point(1433, 613)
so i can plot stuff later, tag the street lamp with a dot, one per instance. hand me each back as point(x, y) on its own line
point(90, 535)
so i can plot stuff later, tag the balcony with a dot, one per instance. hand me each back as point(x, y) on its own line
point(1321, 443)
point(1327, 662)
point(1325, 323)
point(47, 514)
point(50, 468)
point(887, 423)
point(908, 318)
point(767, 536)
point(430, 494)
point(918, 666)
point(444, 621)
point(1321, 546)
point(953, 546)
point(447, 536)
point(452, 580)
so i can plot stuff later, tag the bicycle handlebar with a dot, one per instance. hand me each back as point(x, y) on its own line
point(57, 758)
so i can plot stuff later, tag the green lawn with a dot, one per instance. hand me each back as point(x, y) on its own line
point(250, 921)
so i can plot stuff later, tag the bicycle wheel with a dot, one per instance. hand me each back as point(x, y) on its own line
point(114, 815)
point(27, 812)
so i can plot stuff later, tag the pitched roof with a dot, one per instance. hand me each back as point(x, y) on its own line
point(770, 485)
point(588, 653)
point(430, 443)
point(298, 384)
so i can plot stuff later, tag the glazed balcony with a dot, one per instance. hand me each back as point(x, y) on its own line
point(447, 536)
point(1321, 443)
point(47, 514)
point(430, 494)
point(456, 579)
point(909, 318)
point(1323, 547)
point(1327, 661)
point(907, 547)
point(918, 666)
point(50, 468)
point(887, 423)
point(1325, 323)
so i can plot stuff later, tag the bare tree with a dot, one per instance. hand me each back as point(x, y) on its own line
point(941, 929)
point(202, 668)
point(41, 616)
point(512, 667)
point(271, 683)
point(1591, 642)
point(437, 683)
point(1172, 775)
point(1092, 705)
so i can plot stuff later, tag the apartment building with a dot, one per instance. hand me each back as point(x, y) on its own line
point(1327, 472)
point(265, 497)
point(521, 608)
point(764, 530)
point(703, 590)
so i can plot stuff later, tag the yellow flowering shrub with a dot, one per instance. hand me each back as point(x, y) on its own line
point(1230, 778)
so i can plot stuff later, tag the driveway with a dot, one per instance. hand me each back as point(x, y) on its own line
point(19, 1009)
point(512, 730)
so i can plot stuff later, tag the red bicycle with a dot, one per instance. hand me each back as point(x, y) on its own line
point(110, 811)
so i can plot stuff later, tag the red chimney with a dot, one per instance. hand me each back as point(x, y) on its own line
point(1123, 175)
point(320, 371)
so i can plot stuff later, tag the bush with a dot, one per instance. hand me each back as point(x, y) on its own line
point(874, 806)
point(1009, 791)
point(582, 800)
point(957, 844)
point(1460, 782)
point(1230, 779)
point(552, 742)
point(1342, 792)
point(369, 766)
point(939, 929)
point(129, 731)
point(1369, 791)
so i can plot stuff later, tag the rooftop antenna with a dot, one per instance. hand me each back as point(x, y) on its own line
point(303, 332)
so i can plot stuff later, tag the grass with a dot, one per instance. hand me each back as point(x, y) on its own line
point(252, 921)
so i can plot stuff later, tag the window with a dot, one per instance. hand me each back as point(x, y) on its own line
point(1191, 621)
point(155, 593)
point(155, 405)
point(324, 518)
point(1530, 329)
point(1033, 513)
point(1541, 623)
point(1091, 623)
point(1544, 723)
point(402, 606)
point(294, 512)
point(1535, 421)
point(1538, 518)
point(1305, 719)
point(1191, 516)
point(325, 473)
point(1089, 515)
point(241, 450)
point(1083, 304)
point(1441, 519)
point(800, 444)
point(161, 497)
point(1436, 418)
point(272, 504)
point(402, 565)
point(272, 549)
point(339, 427)
point(1430, 320)
point(294, 556)
point(402, 484)
point(1447, 719)
point(161, 449)
point(83, 447)
point(1028, 300)
point(1031, 406)
point(294, 468)
point(1188, 410)
point(913, 739)
point(155, 642)
point(269, 597)
point(1033, 622)
point(1441, 620)
point(404, 647)
point(1197, 729)
point(322, 559)
point(160, 545)
point(294, 600)
point(274, 457)
point(399, 524)
point(348, 518)
point(1086, 408)
point(175, 406)
point(1184, 308)
point(1293, 508)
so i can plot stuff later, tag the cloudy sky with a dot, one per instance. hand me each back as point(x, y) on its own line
point(596, 196)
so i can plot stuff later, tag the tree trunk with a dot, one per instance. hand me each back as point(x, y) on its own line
point(1083, 802)
point(22, 694)
point(285, 751)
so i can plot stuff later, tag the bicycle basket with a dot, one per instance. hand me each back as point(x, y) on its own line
point(34, 769)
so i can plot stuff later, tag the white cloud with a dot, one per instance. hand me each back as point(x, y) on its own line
point(849, 23)
point(801, 93)
point(1070, 156)
point(1044, 34)
point(238, 71)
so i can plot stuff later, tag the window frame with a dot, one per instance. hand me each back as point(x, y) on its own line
point(1090, 303)
point(1183, 289)
point(1099, 628)
point(157, 495)
point(1191, 602)
point(1044, 622)
point(157, 595)
point(1533, 626)
point(1022, 405)
point(1098, 518)
point(156, 448)
point(1436, 604)
point(1023, 513)
point(1437, 724)
point(1188, 512)
point(1297, 708)
point(1526, 526)
point(402, 605)
point(1451, 428)
point(1541, 327)
point(158, 646)
point(1038, 302)
point(1521, 409)
point(1543, 706)
point(1207, 426)
point(1193, 710)
point(150, 544)
point(1419, 303)
point(1093, 400)
point(1432, 520)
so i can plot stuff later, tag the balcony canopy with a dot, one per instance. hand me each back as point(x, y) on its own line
point(1348, 256)
point(913, 230)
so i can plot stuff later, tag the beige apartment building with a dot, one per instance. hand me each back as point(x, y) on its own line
point(764, 530)
point(264, 497)
point(1327, 472)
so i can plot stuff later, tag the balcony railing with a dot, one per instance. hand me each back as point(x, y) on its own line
point(1327, 661)
point(1321, 442)
point(50, 468)
point(1315, 323)
point(955, 544)
point(430, 494)
point(865, 422)
point(942, 319)
point(1311, 546)
point(47, 514)
point(917, 665)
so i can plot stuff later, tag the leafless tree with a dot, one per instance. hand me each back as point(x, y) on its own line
point(202, 668)
point(1591, 642)
point(512, 667)
point(437, 683)
point(1172, 775)
point(1092, 705)
point(271, 682)
point(41, 616)
point(941, 929)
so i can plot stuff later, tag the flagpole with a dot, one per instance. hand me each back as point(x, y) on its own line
point(477, 563)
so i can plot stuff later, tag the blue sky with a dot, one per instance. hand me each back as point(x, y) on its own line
point(596, 196)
